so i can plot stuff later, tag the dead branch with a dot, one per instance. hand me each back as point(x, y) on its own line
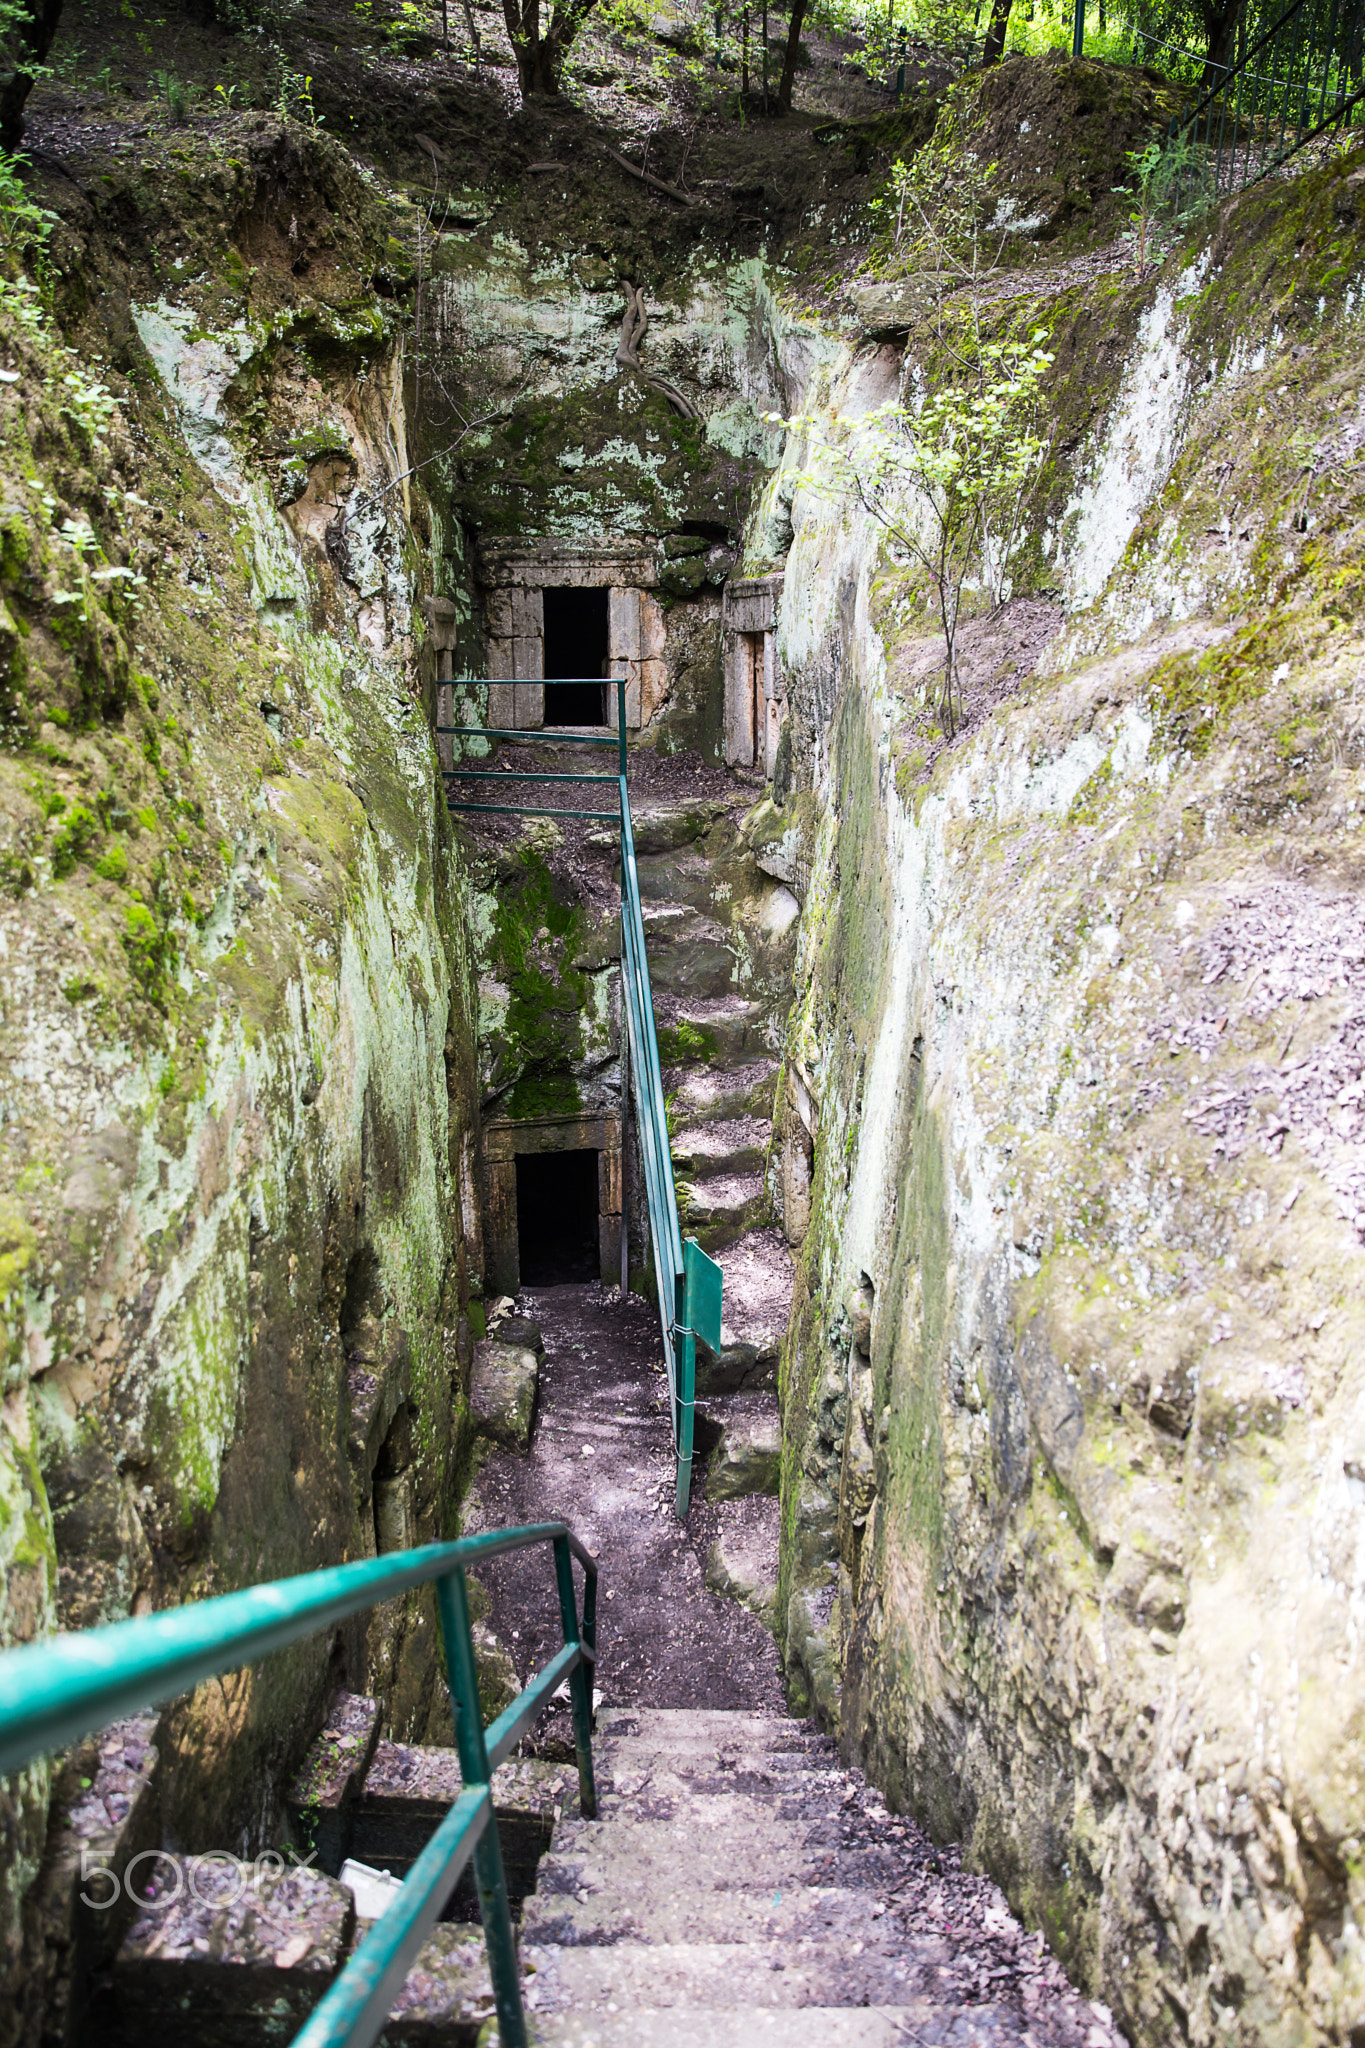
point(648, 177)
point(634, 328)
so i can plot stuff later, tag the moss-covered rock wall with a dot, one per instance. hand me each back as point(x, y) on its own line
point(237, 1044)
point(1072, 1390)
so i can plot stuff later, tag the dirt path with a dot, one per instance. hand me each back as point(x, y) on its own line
point(601, 1460)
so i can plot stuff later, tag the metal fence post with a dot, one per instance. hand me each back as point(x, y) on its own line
point(686, 1353)
point(580, 1678)
point(453, 1600)
point(1078, 30)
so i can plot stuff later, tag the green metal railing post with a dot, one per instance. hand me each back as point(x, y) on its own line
point(621, 728)
point(580, 1682)
point(686, 1343)
point(453, 1600)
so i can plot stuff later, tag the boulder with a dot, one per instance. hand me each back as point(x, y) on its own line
point(748, 1458)
point(503, 1393)
point(887, 310)
point(742, 1565)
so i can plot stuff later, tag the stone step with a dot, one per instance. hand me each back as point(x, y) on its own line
point(789, 1914)
point(722, 1976)
point(660, 826)
point(748, 1457)
point(227, 1954)
point(683, 878)
point(629, 1771)
point(721, 1033)
point(447, 1997)
point(727, 1146)
point(623, 1856)
point(685, 1727)
point(322, 1799)
point(720, 1210)
point(410, 1788)
point(689, 955)
point(809, 2027)
point(716, 1092)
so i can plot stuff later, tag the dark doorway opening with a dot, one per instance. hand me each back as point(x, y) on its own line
point(576, 644)
point(557, 1209)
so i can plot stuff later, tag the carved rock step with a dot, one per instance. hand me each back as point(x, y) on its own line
point(679, 1731)
point(410, 1789)
point(382, 1801)
point(729, 1145)
point(724, 1208)
point(222, 1950)
point(718, 1033)
point(759, 1275)
point(228, 1955)
point(688, 954)
point(732, 1918)
point(722, 1976)
point(748, 1457)
point(809, 2027)
point(705, 1094)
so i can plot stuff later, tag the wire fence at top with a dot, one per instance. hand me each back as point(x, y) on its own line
point(1301, 76)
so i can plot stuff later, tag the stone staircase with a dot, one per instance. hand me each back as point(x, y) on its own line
point(740, 1886)
point(737, 1884)
point(719, 935)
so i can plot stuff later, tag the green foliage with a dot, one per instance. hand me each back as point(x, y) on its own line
point(16, 40)
point(534, 936)
point(74, 841)
point(681, 1042)
point(25, 227)
point(113, 865)
point(151, 953)
point(943, 467)
point(294, 95)
point(1172, 185)
point(178, 97)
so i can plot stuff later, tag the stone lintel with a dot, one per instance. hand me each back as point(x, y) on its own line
point(505, 1137)
point(557, 564)
point(750, 603)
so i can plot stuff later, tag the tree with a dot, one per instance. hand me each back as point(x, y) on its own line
point(944, 466)
point(27, 29)
point(540, 58)
point(1220, 19)
point(791, 57)
point(994, 48)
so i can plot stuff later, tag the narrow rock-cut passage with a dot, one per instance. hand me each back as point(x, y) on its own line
point(737, 1881)
point(601, 1459)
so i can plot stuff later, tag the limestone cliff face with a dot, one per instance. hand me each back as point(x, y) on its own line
point(237, 1121)
point(1074, 1468)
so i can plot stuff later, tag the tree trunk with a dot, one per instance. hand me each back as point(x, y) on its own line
point(995, 35)
point(542, 74)
point(1220, 33)
point(784, 90)
point(32, 39)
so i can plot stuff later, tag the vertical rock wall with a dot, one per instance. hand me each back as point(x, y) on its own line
point(237, 1087)
point(1071, 1517)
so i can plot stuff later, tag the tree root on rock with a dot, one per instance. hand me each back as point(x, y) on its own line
point(634, 328)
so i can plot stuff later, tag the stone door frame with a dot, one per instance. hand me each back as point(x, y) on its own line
point(749, 635)
point(514, 575)
point(504, 1139)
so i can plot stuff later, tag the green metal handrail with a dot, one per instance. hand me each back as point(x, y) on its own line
point(651, 1123)
point(673, 1270)
point(531, 734)
point(53, 1693)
